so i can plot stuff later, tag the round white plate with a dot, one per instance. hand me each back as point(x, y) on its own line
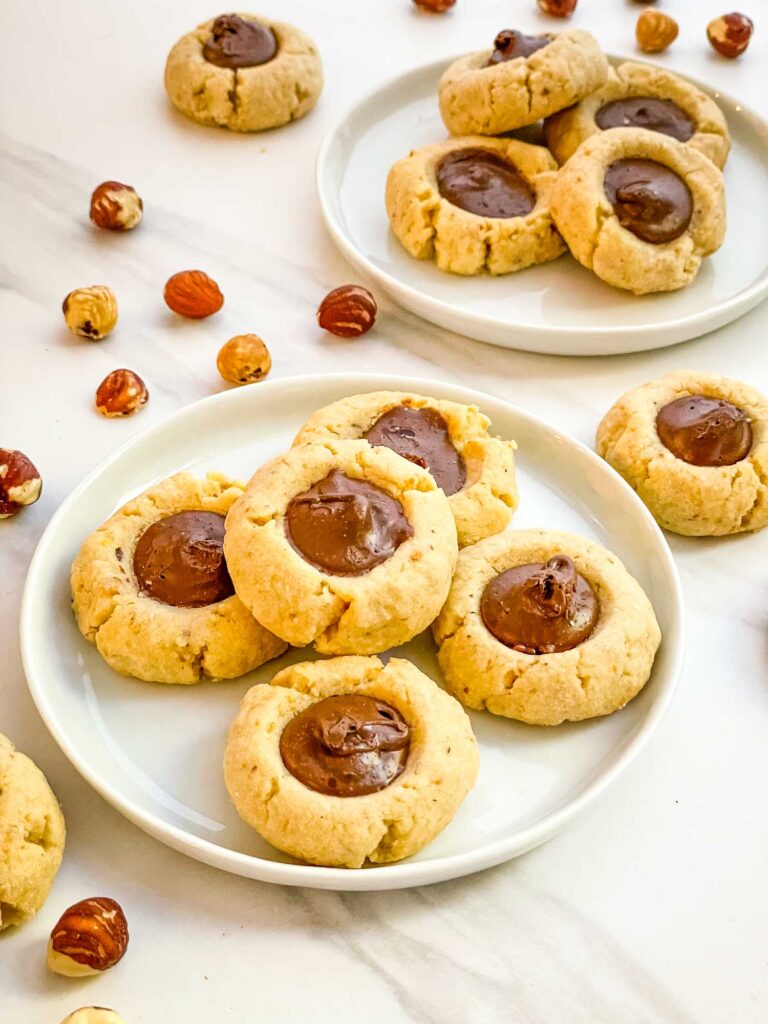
point(155, 751)
point(559, 307)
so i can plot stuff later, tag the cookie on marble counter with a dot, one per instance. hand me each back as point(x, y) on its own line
point(523, 79)
point(32, 835)
point(545, 627)
point(342, 545)
point(695, 448)
point(475, 470)
point(151, 589)
point(640, 209)
point(642, 96)
point(349, 761)
point(475, 204)
point(244, 72)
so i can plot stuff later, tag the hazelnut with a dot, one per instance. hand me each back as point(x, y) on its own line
point(557, 8)
point(655, 31)
point(434, 6)
point(730, 34)
point(89, 938)
point(91, 312)
point(93, 1015)
point(244, 359)
point(116, 207)
point(348, 311)
point(193, 294)
point(121, 393)
point(20, 482)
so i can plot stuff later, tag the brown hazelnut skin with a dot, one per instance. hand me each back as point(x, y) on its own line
point(434, 6)
point(244, 359)
point(116, 207)
point(557, 8)
point(121, 393)
point(89, 938)
point(20, 482)
point(730, 34)
point(348, 311)
point(655, 31)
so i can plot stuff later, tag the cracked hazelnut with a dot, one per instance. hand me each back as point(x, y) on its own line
point(89, 938)
point(20, 482)
point(348, 311)
point(730, 34)
point(116, 207)
point(434, 6)
point(244, 359)
point(91, 312)
point(121, 393)
point(193, 294)
point(655, 31)
point(557, 8)
point(93, 1015)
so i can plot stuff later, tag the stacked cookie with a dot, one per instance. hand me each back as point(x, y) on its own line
point(386, 517)
point(629, 178)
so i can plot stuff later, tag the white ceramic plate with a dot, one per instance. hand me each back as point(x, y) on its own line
point(155, 751)
point(559, 307)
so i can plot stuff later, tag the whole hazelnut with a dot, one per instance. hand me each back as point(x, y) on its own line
point(20, 482)
point(116, 207)
point(121, 393)
point(91, 312)
point(434, 6)
point(655, 31)
point(244, 359)
point(557, 8)
point(93, 1015)
point(90, 937)
point(348, 311)
point(730, 34)
point(193, 294)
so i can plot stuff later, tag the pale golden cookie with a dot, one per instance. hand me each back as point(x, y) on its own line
point(145, 638)
point(488, 497)
point(479, 100)
point(566, 130)
point(32, 836)
point(376, 828)
point(430, 227)
point(245, 99)
point(597, 677)
point(353, 614)
point(698, 501)
point(587, 221)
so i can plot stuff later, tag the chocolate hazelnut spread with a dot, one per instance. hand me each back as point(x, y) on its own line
point(510, 44)
point(646, 112)
point(346, 745)
point(704, 431)
point(649, 199)
point(346, 527)
point(482, 182)
point(421, 435)
point(540, 608)
point(179, 560)
point(235, 42)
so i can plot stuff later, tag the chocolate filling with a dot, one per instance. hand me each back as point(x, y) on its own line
point(346, 527)
point(179, 560)
point(704, 431)
point(421, 436)
point(484, 183)
point(649, 199)
point(510, 44)
point(237, 43)
point(540, 609)
point(346, 745)
point(646, 112)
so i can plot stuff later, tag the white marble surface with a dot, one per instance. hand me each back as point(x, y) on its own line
point(653, 906)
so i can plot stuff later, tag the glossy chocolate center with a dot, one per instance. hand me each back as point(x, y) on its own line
point(646, 112)
point(649, 199)
point(179, 560)
point(482, 182)
point(540, 609)
point(347, 745)
point(421, 436)
point(704, 431)
point(346, 527)
point(237, 43)
point(510, 44)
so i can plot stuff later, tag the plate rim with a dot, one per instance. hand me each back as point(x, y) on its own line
point(717, 315)
point(398, 875)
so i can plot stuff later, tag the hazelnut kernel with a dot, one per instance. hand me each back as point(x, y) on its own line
point(116, 207)
point(730, 34)
point(655, 31)
point(244, 359)
point(90, 937)
point(434, 6)
point(93, 1015)
point(91, 312)
point(20, 482)
point(557, 8)
point(121, 393)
